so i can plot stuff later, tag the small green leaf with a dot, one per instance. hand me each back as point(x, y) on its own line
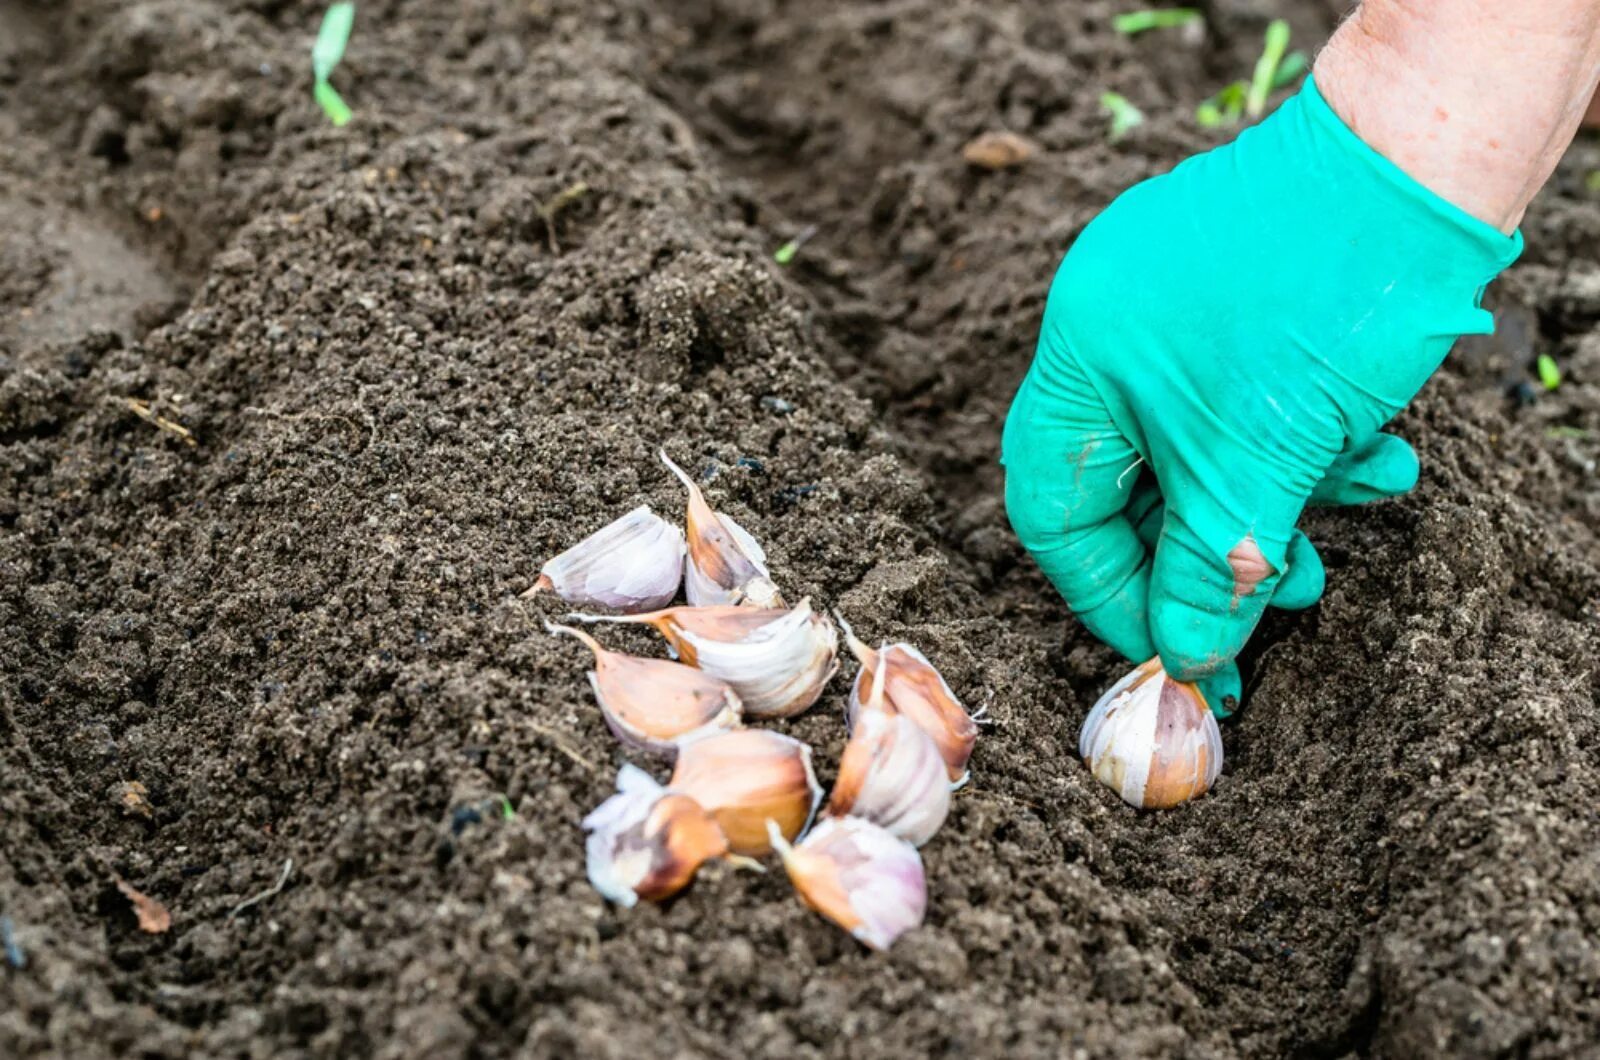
point(1568, 432)
point(1124, 115)
point(325, 56)
point(1133, 22)
point(1224, 108)
point(333, 105)
point(506, 812)
point(1592, 181)
point(1272, 50)
point(331, 39)
point(785, 254)
point(1549, 371)
point(1295, 64)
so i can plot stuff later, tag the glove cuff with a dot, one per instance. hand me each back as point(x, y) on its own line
point(1439, 224)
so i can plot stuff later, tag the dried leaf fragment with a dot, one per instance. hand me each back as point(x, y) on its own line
point(999, 149)
point(135, 799)
point(153, 916)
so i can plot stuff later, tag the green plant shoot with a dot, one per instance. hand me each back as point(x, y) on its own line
point(1549, 371)
point(325, 56)
point(1224, 108)
point(506, 811)
point(1124, 115)
point(1133, 22)
point(1592, 180)
point(1266, 73)
point(786, 253)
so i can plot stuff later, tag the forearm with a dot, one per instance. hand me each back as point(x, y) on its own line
point(1474, 99)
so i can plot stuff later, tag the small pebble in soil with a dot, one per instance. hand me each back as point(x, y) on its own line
point(13, 949)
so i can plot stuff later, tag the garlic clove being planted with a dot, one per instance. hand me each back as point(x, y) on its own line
point(1152, 740)
point(646, 842)
point(633, 564)
point(725, 623)
point(892, 773)
point(780, 668)
point(725, 564)
point(859, 876)
point(747, 778)
point(654, 704)
point(914, 688)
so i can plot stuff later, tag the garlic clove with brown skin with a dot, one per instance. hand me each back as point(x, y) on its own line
point(1152, 739)
point(633, 564)
point(724, 623)
point(646, 842)
point(653, 704)
point(779, 668)
point(725, 564)
point(859, 876)
point(746, 779)
point(913, 687)
point(892, 773)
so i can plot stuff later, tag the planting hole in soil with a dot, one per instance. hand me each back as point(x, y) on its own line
point(292, 413)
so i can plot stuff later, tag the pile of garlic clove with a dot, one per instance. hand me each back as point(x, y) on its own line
point(738, 793)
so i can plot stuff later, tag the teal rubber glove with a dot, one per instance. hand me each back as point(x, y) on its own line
point(1218, 350)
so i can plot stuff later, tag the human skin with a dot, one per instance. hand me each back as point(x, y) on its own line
point(1475, 99)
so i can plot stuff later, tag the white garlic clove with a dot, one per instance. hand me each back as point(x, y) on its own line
point(745, 780)
point(778, 668)
point(653, 704)
point(914, 688)
point(859, 876)
point(633, 564)
point(1152, 739)
point(892, 773)
point(722, 623)
point(646, 842)
point(725, 564)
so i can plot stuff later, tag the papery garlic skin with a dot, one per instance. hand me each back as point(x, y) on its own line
point(655, 704)
point(892, 774)
point(725, 565)
point(913, 687)
point(1152, 739)
point(633, 564)
point(746, 780)
point(723, 623)
point(859, 876)
point(778, 669)
point(646, 842)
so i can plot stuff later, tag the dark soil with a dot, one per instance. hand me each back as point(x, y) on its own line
point(408, 382)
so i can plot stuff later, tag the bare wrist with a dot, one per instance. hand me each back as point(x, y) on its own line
point(1474, 101)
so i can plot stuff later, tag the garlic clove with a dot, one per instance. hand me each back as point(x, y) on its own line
point(633, 564)
point(859, 876)
point(723, 623)
point(892, 773)
point(646, 842)
point(725, 564)
point(778, 668)
point(653, 704)
point(914, 688)
point(745, 779)
point(1152, 739)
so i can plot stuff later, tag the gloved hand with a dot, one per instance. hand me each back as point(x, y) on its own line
point(1240, 327)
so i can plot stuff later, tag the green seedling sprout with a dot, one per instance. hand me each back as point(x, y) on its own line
point(1227, 107)
point(1133, 22)
point(786, 253)
point(507, 813)
point(1576, 433)
point(1592, 180)
point(1549, 371)
point(1124, 115)
point(1266, 74)
point(325, 56)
